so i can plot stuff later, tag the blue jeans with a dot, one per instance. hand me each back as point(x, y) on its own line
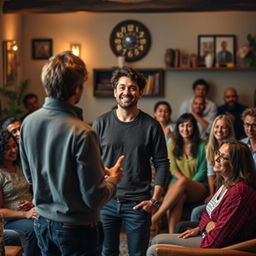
point(197, 212)
point(25, 228)
point(136, 223)
point(56, 238)
point(11, 237)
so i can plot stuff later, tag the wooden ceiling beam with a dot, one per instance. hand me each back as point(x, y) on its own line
point(63, 6)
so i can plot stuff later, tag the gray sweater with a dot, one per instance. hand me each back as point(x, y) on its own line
point(61, 158)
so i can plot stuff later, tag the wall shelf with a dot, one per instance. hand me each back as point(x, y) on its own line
point(212, 69)
point(102, 86)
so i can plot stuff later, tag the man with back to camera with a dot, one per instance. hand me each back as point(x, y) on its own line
point(233, 109)
point(249, 120)
point(200, 88)
point(61, 158)
point(129, 131)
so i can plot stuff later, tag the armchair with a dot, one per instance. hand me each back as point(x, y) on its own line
point(247, 248)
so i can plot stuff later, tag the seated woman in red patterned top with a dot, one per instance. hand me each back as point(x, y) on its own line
point(230, 215)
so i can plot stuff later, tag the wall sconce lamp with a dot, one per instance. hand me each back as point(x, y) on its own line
point(14, 46)
point(10, 62)
point(76, 49)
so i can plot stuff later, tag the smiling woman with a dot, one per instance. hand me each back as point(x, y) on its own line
point(230, 215)
point(186, 153)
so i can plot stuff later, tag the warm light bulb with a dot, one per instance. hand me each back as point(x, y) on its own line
point(76, 49)
point(15, 47)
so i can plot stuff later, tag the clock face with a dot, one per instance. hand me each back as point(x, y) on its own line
point(131, 39)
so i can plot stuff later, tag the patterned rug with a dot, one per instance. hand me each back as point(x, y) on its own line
point(123, 244)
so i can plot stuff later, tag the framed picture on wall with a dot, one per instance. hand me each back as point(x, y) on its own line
point(41, 49)
point(154, 86)
point(206, 45)
point(225, 49)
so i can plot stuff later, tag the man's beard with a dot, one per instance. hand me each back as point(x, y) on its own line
point(231, 105)
point(128, 105)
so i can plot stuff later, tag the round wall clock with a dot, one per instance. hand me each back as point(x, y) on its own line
point(130, 38)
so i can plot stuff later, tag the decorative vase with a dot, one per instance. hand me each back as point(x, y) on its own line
point(208, 60)
point(169, 58)
point(120, 61)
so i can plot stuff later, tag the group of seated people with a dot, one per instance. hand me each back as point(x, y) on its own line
point(220, 172)
point(16, 207)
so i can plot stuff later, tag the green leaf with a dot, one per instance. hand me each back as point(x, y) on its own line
point(13, 100)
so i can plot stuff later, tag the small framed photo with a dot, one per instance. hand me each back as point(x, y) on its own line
point(184, 60)
point(225, 50)
point(41, 49)
point(206, 45)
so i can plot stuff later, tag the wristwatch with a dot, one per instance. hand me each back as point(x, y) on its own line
point(155, 203)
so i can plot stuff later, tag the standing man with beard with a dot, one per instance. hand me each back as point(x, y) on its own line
point(129, 131)
point(233, 109)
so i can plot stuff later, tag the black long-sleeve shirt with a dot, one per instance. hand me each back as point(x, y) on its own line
point(141, 141)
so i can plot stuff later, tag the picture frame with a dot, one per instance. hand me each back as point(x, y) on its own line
point(41, 48)
point(184, 60)
point(221, 46)
point(206, 45)
point(225, 50)
point(102, 86)
point(10, 62)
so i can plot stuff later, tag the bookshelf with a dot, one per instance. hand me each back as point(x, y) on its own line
point(154, 86)
point(155, 78)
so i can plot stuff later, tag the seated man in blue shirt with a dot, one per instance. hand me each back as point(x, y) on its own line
point(249, 119)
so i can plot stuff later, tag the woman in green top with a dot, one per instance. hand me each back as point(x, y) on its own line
point(188, 168)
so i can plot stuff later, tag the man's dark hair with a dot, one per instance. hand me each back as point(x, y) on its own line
point(27, 97)
point(135, 76)
point(202, 82)
point(9, 120)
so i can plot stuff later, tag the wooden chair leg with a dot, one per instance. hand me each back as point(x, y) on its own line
point(13, 250)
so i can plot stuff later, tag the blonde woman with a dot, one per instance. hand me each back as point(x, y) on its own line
point(222, 129)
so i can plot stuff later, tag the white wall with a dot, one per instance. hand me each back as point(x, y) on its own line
point(169, 30)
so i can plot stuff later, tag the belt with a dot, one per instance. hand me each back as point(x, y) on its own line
point(121, 200)
point(80, 224)
point(76, 224)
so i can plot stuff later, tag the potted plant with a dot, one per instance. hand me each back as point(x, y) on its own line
point(13, 100)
